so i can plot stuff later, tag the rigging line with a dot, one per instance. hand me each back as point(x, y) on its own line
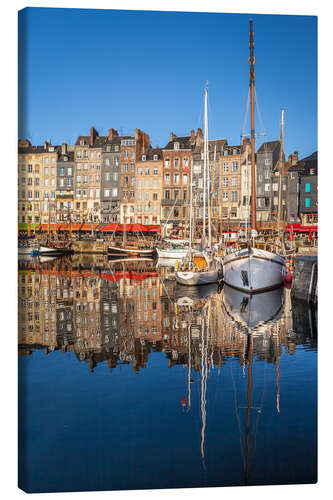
point(246, 113)
point(258, 112)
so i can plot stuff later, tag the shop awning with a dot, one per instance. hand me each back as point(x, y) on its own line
point(301, 229)
point(131, 228)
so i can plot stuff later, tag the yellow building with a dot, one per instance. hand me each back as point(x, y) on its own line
point(29, 169)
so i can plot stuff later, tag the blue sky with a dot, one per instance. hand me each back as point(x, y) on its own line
point(128, 69)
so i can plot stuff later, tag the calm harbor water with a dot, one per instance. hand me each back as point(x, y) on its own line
point(129, 381)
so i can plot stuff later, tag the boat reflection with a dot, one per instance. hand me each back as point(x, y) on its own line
point(250, 311)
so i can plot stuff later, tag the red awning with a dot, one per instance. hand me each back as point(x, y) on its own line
point(131, 228)
point(301, 229)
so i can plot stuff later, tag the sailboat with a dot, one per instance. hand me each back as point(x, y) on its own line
point(252, 269)
point(202, 268)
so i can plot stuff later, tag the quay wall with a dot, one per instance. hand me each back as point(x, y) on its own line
point(305, 276)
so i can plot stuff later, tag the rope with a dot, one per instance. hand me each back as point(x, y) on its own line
point(246, 113)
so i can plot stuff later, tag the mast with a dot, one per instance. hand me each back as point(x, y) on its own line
point(253, 167)
point(191, 205)
point(280, 173)
point(205, 164)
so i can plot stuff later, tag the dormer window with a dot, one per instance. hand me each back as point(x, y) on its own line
point(65, 158)
point(312, 171)
point(176, 145)
point(51, 149)
point(225, 152)
point(143, 157)
point(155, 157)
point(81, 142)
point(234, 151)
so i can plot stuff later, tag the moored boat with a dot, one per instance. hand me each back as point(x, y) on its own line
point(134, 252)
point(253, 270)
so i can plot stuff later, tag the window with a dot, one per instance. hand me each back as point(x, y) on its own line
point(292, 175)
point(176, 162)
point(167, 162)
point(125, 167)
point(167, 178)
point(132, 167)
point(147, 183)
point(233, 195)
point(115, 176)
point(308, 187)
point(167, 194)
point(307, 202)
point(234, 181)
point(155, 183)
point(225, 181)
point(267, 187)
point(234, 166)
point(267, 161)
point(267, 174)
point(139, 171)
point(114, 191)
point(147, 196)
point(147, 171)
point(176, 177)
point(225, 167)
point(62, 171)
point(275, 187)
point(106, 193)
point(176, 194)
point(175, 212)
point(184, 179)
point(176, 145)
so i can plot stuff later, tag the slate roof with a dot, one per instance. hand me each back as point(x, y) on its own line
point(268, 147)
point(303, 166)
point(150, 154)
point(69, 154)
point(184, 143)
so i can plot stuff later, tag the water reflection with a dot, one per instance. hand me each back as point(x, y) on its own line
point(122, 312)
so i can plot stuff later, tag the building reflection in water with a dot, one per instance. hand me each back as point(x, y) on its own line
point(121, 312)
point(118, 312)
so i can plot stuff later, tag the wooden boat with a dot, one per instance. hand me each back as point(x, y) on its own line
point(128, 251)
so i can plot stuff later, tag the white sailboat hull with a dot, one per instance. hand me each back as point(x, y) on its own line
point(253, 270)
point(172, 253)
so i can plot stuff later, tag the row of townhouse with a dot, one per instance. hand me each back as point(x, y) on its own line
point(112, 178)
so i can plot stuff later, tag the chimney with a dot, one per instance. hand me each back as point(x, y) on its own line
point(46, 144)
point(172, 136)
point(199, 137)
point(294, 158)
point(64, 148)
point(192, 137)
point(112, 133)
point(93, 135)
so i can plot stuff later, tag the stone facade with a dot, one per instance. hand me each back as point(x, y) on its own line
point(176, 173)
point(149, 187)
